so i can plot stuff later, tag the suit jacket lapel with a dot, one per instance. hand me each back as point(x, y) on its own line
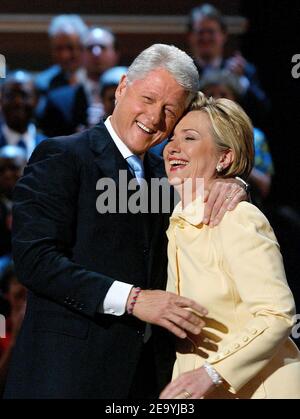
point(107, 156)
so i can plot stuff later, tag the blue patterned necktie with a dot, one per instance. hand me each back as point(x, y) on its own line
point(137, 167)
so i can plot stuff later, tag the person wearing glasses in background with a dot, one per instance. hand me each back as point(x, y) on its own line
point(207, 35)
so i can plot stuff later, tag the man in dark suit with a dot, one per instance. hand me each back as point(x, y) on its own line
point(18, 102)
point(207, 36)
point(82, 336)
point(66, 33)
point(68, 108)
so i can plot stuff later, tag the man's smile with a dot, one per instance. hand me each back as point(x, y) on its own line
point(144, 128)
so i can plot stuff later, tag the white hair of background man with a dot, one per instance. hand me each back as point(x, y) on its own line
point(98, 34)
point(179, 64)
point(2, 67)
point(69, 25)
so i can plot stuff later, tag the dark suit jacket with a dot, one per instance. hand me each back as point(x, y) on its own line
point(51, 78)
point(68, 255)
point(64, 110)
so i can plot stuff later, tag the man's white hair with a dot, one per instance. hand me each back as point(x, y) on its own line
point(175, 61)
point(68, 24)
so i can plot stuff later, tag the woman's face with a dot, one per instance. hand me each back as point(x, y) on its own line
point(191, 153)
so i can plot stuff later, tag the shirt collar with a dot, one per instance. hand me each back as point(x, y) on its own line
point(122, 147)
point(192, 213)
point(14, 137)
point(29, 137)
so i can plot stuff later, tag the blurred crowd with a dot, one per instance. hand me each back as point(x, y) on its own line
point(78, 90)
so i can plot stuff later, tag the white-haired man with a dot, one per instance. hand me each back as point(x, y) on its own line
point(83, 335)
point(67, 34)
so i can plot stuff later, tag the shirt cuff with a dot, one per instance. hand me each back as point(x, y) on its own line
point(116, 299)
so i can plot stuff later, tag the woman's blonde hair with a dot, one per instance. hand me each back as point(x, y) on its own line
point(232, 129)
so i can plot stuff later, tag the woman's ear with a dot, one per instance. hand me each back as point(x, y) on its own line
point(226, 159)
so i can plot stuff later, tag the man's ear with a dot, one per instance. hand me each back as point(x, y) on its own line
point(121, 87)
point(226, 159)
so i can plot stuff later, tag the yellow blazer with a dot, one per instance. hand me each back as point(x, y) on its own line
point(236, 271)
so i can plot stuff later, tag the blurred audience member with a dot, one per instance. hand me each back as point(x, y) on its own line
point(224, 84)
point(100, 54)
point(70, 108)
point(108, 84)
point(66, 33)
point(207, 36)
point(18, 101)
point(14, 294)
point(12, 162)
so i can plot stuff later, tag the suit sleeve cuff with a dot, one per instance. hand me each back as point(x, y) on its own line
point(116, 299)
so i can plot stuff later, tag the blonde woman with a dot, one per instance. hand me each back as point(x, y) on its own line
point(235, 269)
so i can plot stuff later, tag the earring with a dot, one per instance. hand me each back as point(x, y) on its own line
point(219, 168)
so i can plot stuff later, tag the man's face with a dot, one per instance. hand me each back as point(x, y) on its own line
point(148, 109)
point(18, 103)
point(67, 51)
point(207, 39)
point(100, 53)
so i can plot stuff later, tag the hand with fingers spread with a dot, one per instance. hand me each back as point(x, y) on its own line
point(177, 314)
point(223, 196)
point(191, 385)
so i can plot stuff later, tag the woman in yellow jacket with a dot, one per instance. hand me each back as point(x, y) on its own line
point(234, 269)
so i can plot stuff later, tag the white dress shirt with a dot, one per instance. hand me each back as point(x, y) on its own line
point(122, 147)
point(12, 137)
point(117, 296)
